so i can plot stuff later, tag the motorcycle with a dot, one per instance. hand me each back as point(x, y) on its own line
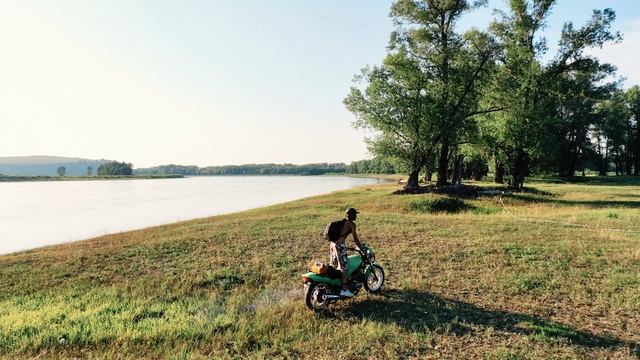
point(320, 290)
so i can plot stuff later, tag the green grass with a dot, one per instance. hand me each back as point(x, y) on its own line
point(552, 274)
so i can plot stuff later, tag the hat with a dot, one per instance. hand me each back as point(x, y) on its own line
point(351, 211)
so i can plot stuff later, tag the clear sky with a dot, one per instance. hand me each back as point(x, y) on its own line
point(209, 82)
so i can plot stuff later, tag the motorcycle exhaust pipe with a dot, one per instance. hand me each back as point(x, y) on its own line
point(332, 297)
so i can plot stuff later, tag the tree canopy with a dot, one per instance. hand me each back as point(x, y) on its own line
point(115, 168)
point(458, 102)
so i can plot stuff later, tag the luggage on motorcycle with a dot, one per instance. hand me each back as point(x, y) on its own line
point(333, 273)
point(333, 230)
point(325, 270)
point(319, 268)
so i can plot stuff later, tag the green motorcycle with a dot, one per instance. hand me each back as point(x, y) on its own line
point(320, 290)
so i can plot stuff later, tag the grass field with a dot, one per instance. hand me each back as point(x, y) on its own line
point(550, 273)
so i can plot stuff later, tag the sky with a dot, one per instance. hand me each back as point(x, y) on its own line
point(211, 82)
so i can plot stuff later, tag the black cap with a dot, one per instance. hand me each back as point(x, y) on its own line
point(351, 211)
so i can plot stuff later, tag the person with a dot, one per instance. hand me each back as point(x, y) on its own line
point(338, 251)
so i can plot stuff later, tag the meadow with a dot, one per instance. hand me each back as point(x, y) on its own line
point(553, 272)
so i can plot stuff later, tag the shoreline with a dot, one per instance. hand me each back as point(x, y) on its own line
point(38, 178)
point(43, 178)
point(143, 227)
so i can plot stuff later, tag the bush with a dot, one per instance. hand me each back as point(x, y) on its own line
point(447, 205)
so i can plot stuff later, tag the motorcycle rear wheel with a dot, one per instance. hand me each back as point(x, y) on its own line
point(374, 281)
point(314, 296)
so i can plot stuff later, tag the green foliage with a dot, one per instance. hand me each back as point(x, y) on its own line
point(248, 169)
point(428, 88)
point(524, 85)
point(373, 166)
point(115, 168)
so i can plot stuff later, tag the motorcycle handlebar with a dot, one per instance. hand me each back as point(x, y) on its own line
point(362, 252)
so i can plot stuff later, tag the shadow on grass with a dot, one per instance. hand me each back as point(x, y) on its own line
point(596, 204)
point(591, 180)
point(416, 310)
point(534, 191)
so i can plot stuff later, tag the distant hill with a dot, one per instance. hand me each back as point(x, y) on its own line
point(40, 165)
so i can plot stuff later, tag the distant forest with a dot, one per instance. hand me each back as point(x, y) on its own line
point(357, 167)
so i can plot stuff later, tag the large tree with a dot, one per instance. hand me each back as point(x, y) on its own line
point(421, 101)
point(633, 106)
point(394, 105)
point(454, 66)
point(578, 106)
point(611, 133)
point(523, 81)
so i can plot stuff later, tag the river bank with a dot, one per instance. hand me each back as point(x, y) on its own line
point(6, 178)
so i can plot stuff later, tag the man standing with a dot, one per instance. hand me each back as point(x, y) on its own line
point(338, 251)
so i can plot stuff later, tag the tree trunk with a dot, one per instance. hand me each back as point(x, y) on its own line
point(498, 177)
point(428, 168)
point(636, 155)
point(412, 182)
point(443, 164)
point(520, 170)
point(604, 166)
point(456, 178)
point(570, 169)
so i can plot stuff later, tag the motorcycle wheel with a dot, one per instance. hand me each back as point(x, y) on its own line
point(314, 296)
point(374, 281)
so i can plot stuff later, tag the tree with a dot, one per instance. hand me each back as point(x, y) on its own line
point(454, 67)
point(115, 168)
point(89, 171)
point(395, 106)
point(633, 106)
point(577, 97)
point(612, 127)
point(62, 171)
point(523, 82)
point(422, 99)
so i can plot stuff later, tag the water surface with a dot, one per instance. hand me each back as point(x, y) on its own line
point(34, 214)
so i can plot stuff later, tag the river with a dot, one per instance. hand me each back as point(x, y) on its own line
point(35, 214)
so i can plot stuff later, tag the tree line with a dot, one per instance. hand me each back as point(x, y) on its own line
point(248, 169)
point(111, 168)
point(458, 103)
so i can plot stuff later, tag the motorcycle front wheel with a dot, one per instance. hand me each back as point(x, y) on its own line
point(314, 296)
point(374, 280)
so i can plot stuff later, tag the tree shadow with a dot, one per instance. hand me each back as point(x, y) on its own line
point(625, 180)
point(596, 204)
point(417, 310)
point(534, 191)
